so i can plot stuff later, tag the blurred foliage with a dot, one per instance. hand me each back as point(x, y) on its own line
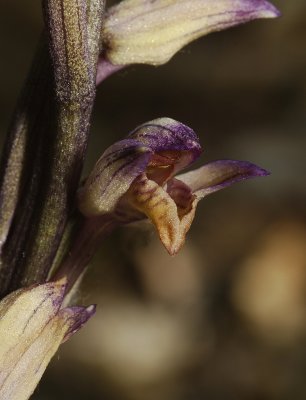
point(226, 318)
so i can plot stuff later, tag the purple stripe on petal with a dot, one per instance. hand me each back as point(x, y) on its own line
point(220, 174)
point(112, 176)
point(166, 134)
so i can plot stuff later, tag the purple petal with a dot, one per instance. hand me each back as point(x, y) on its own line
point(220, 174)
point(112, 176)
point(166, 134)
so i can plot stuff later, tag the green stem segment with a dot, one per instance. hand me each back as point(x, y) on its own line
point(44, 151)
point(74, 32)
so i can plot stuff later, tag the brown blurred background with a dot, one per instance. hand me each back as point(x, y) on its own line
point(226, 318)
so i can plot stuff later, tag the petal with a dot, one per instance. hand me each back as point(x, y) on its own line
point(112, 176)
point(149, 198)
point(218, 175)
point(166, 134)
point(151, 32)
point(31, 329)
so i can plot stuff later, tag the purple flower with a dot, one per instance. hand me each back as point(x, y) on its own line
point(135, 179)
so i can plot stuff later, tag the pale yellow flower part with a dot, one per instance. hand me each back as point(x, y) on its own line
point(171, 220)
point(152, 31)
point(32, 326)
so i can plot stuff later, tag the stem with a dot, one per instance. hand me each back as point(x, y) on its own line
point(57, 195)
point(74, 31)
point(21, 163)
point(14, 154)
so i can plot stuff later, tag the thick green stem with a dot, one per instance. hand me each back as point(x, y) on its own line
point(44, 152)
point(56, 200)
point(74, 31)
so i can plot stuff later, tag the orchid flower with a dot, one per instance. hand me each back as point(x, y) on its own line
point(151, 32)
point(136, 179)
point(32, 326)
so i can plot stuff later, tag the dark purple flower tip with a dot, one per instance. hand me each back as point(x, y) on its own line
point(166, 134)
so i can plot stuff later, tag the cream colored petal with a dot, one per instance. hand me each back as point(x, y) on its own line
point(32, 327)
point(112, 176)
point(151, 32)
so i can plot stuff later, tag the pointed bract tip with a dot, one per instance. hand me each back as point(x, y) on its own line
point(268, 9)
point(255, 9)
point(77, 317)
